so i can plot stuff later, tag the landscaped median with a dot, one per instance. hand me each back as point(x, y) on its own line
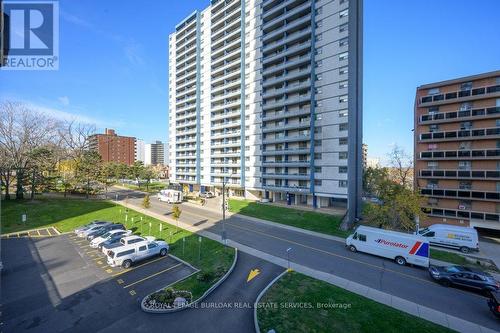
point(313, 221)
point(298, 303)
point(211, 259)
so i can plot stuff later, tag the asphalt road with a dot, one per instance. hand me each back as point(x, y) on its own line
point(411, 283)
point(59, 284)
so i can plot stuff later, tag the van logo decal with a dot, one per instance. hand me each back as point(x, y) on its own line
point(395, 244)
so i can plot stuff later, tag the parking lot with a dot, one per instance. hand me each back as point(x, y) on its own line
point(64, 273)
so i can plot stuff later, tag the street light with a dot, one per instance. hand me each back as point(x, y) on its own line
point(224, 236)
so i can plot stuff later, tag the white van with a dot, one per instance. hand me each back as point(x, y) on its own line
point(403, 248)
point(125, 256)
point(463, 238)
point(170, 196)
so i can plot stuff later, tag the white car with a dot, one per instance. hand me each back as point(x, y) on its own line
point(87, 231)
point(110, 234)
point(125, 241)
point(127, 255)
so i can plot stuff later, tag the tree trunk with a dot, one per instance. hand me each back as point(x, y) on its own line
point(19, 185)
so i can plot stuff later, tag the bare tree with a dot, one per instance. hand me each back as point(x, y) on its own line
point(402, 166)
point(22, 131)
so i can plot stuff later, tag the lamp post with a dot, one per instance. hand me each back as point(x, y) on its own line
point(224, 236)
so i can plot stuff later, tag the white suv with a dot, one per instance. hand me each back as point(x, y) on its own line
point(125, 256)
point(125, 241)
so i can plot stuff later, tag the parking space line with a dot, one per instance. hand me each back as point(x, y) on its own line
point(99, 262)
point(135, 267)
point(151, 276)
point(38, 230)
point(93, 250)
point(120, 281)
point(109, 270)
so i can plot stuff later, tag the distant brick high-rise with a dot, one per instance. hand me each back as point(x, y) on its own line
point(457, 150)
point(113, 147)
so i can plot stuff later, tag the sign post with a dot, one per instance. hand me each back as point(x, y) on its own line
point(183, 244)
point(199, 248)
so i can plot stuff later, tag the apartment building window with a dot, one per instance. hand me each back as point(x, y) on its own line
point(343, 42)
point(343, 169)
point(432, 165)
point(344, 13)
point(319, 77)
point(343, 155)
point(343, 99)
point(465, 106)
point(317, 130)
point(343, 27)
point(343, 85)
point(343, 70)
point(317, 156)
point(343, 56)
point(317, 182)
point(465, 185)
point(466, 125)
point(433, 128)
point(464, 145)
point(319, 63)
point(317, 169)
point(432, 183)
point(433, 91)
point(343, 183)
point(343, 127)
point(319, 37)
point(343, 113)
point(318, 143)
point(466, 86)
point(343, 141)
point(464, 165)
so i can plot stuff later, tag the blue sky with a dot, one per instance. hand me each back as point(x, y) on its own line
point(113, 62)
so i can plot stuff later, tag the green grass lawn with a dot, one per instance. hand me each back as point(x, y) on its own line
point(323, 223)
point(448, 257)
point(353, 314)
point(67, 214)
point(153, 187)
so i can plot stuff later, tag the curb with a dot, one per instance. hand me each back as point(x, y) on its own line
point(208, 292)
point(261, 294)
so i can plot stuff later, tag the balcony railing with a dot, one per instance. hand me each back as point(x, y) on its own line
point(285, 188)
point(461, 214)
point(451, 116)
point(468, 174)
point(480, 133)
point(461, 154)
point(461, 94)
point(461, 194)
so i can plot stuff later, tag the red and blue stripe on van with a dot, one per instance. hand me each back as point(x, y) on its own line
point(420, 249)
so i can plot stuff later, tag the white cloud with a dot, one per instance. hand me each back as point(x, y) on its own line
point(62, 115)
point(64, 100)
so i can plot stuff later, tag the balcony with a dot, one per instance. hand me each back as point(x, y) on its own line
point(287, 89)
point(284, 17)
point(286, 139)
point(461, 194)
point(460, 135)
point(461, 214)
point(296, 99)
point(289, 126)
point(461, 174)
point(457, 96)
point(284, 188)
point(287, 151)
point(299, 163)
point(295, 176)
point(289, 51)
point(303, 21)
point(482, 154)
point(288, 114)
point(443, 117)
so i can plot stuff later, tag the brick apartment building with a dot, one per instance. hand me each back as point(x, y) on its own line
point(457, 150)
point(113, 147)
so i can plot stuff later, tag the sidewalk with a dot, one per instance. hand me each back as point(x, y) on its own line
point(412, 308)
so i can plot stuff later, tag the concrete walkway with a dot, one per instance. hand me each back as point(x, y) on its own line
point(412, 308)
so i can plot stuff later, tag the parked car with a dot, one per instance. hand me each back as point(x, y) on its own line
point(494, 303)
point(464, 277)
point(91, 224)
point(207, 195)
point(402, 248)
point(105, 229)
point(127, 255)
point(125, 241)
point(109, 235)
point(463, 238)
point(87, 231)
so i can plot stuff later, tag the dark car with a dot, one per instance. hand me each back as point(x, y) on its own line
point(105, 229)
point(461, 276)
point(494, 303)
point(111, 242)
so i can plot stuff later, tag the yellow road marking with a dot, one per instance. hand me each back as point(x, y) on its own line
point(151, 276)
point(120, 281)
point(135, 267)
point(99, 262)
point(91, 251)
point(132, 292)
point(109, 270)
point(253, 273)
